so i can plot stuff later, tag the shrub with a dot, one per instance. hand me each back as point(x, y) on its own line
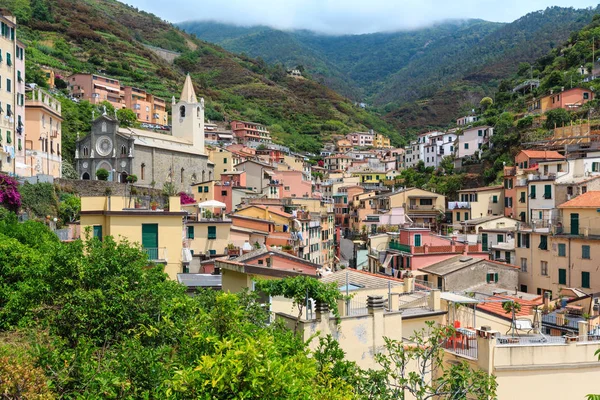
point(102, 174)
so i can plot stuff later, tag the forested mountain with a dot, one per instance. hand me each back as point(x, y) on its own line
point(442, 67)
point(114, 39)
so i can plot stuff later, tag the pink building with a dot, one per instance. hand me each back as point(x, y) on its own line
point(223, 190)
point(288, 184)
point(250, 132)
point(416, 248)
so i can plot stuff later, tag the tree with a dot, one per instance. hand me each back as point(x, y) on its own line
point(69, 209)
point(485, 103)
point(102, 174)
point(10, 198)
point(126, 117)
point(416, 367)
point(557, 118)
point(301, 288)
point(39, 199)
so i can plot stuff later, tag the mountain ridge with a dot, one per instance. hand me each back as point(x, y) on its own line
point(396, 71)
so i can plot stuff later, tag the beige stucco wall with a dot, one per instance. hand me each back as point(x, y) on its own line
point(201, 243)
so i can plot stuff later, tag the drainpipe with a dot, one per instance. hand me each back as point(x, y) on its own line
point(569, 265)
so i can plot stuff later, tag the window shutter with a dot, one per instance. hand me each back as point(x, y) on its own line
point(547, 191)
point(532, 192)
point(190, 230)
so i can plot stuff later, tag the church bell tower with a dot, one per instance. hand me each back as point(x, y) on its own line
point(188, 116)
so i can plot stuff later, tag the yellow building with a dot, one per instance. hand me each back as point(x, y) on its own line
point(223, 160)
point(280, 218)
point(370, 176)
point(207, 236)
point(477, 203)
point(204, 191)
point(12, 95)
point(50, 76)
point(159, 232)
point(43, 118)
point(421, 206)
point(381, 142)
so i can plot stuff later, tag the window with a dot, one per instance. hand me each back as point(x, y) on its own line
point(480, 132)
point(523, 265)
point(495, 199)
point(522, 198)
point(499, 238)
point(466, 216)
point(225, 160)
point(8, 85)
point(544, 268)
point(182, 112)
point(458, 216)
point(547, 191)
point(523, 288)
point(562, 276)
point(212, 232)
point(205, 189)
point(532, 191)
point(543, 242)
point(98, 232)
point(585, 280)
point(123, 150)
point(586, 95)
point(492, 277)
point(559, 168)
point(190, 232)
point(199, 189)
point(426, 202)
point(562, 250)
point(8, 59)
point(223, 192)
point(466, 146)
point(585, 252)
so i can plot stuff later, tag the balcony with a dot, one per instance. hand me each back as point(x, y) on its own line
point(156, 254)
point(399, 247)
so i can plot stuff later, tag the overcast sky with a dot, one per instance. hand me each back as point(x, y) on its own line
point(347, 16)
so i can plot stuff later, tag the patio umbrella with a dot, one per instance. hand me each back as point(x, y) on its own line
point(212, 204)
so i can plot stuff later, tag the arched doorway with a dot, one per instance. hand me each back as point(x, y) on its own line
point(123, 177)
point(85, 176)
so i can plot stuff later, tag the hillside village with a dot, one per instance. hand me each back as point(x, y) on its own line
point(220, 204)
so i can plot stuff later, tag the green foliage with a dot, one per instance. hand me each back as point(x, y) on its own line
point(69, 208)
point(433, 377)
point(102, 174)
point(485, 103)
point(39, 199)
point(103, 323)
point(557, 118)
point(299, 289)
point(126, 117)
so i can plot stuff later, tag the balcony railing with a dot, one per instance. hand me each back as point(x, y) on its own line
point(399, 246)
point(156, 253)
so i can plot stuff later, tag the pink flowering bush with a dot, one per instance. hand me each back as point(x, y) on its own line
point(10, 198)
point(186, 198)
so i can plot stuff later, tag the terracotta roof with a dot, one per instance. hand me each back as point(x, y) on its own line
point(586, 200)
point(496, 307)
point(271, 211)
point(543, 154)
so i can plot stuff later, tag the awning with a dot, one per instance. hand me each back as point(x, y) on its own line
point(458, 298)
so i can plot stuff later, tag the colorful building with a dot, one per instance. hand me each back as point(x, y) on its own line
point(250, 132)
point(44, 135)
point(159, 232)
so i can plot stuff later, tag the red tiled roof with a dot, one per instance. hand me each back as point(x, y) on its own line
point(586, 200)
point(496, 307)
point(543, 154)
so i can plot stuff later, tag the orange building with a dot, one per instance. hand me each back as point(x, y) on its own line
point(96, 89)
point(570, 99)
point(250, 132)
point(147, 107)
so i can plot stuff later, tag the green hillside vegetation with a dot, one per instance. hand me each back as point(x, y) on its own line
point(424, 77)
point(97, 320)
point(111, 38)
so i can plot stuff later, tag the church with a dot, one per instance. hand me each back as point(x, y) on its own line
point(155, 158)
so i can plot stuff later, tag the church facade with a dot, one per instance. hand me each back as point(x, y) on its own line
point(155, 158)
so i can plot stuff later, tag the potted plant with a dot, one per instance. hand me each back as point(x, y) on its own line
point(138, 203)
point(153, 205)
